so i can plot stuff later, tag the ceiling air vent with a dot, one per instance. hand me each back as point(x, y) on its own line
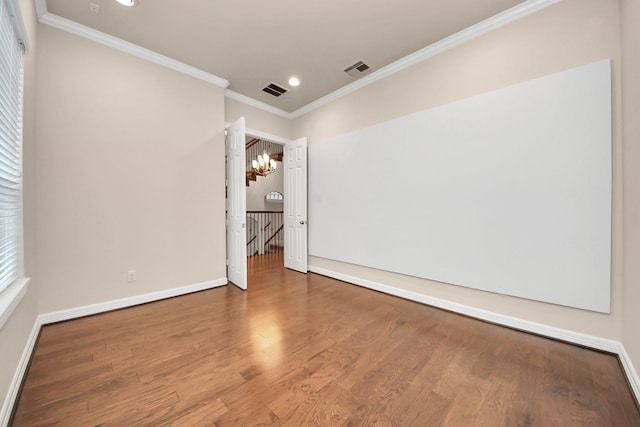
point(274, 89)
point(356, 69)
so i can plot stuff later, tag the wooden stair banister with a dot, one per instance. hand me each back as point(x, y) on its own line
point(273, 235)
point(266, 232)
point(251, 143)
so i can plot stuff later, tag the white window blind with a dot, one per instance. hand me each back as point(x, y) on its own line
point(11, 55)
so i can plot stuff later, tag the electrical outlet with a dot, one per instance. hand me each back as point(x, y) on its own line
point(131, 276)
point(94, 8)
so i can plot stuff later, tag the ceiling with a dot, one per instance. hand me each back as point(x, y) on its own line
point(252, 43)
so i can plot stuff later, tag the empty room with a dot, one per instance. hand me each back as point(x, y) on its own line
point(410, 213)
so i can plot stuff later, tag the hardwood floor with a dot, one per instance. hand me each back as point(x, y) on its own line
point(301, 349)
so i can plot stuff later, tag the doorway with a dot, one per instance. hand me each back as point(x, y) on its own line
point(265, 203)
point(294, 194)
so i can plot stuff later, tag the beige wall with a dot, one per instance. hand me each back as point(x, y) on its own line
point(14, 334)
point(257, 119)
point(568, 34)
point(13, 338)
point(631, 119)
point(129, 175)
point(129, 172)
point(263, 185)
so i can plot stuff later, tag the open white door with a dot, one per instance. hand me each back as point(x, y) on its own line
point(295, 205)
point(236, 204)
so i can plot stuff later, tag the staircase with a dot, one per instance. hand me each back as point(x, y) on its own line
point(265, 232)
point(258, 146)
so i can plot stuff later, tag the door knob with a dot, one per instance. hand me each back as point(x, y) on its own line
point(302, 221)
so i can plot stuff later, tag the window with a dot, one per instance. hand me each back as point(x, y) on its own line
point(274, 196)
point(11, 59)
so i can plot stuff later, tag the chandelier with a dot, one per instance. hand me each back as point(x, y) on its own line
point(263, 166)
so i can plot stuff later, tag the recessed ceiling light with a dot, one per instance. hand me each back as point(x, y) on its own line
point(294, 81)
point(127, 2)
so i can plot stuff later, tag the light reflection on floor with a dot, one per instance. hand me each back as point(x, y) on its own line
point(266, 333)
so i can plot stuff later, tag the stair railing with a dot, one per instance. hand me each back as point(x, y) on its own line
point(265, 232)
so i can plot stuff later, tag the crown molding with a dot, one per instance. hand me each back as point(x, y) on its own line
point(41, 8)
point(124, 46)
point(255, 103)
point(461, 37)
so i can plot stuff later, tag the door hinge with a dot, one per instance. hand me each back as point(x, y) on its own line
point(227, 262)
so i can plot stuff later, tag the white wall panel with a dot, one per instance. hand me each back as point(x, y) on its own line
point(508, 192)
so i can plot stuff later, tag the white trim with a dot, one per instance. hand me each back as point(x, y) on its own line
point(16, 12)
point(130, 48)
point(58, 316)
point(262, 135)
point(632, 375)
point(41, 8)
point(16, 382)
point(101, 307)
point(454, 40)
point(457, 39)
point(582, 339)
point(461, 37)
point(578, 338)
point(11, 297)
point(266, 136)
point(513, 322)
point(258, 104)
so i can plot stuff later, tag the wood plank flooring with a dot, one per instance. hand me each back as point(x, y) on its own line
point(306, 350)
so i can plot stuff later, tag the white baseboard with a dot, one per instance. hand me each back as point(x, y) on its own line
point(632, 375)
point(16, 382)
point(513, 322)
point(87, 310)
point(545, 330)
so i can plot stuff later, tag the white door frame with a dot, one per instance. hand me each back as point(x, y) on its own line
point(236, 202)
point(295, 206)
point(267, 137)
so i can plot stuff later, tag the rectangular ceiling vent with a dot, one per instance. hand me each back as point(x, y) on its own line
point(274, 89)
point(356, 69)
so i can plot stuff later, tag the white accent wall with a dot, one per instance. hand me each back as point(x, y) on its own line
point(566, 35)
point(115, 180)
point(507, 191)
